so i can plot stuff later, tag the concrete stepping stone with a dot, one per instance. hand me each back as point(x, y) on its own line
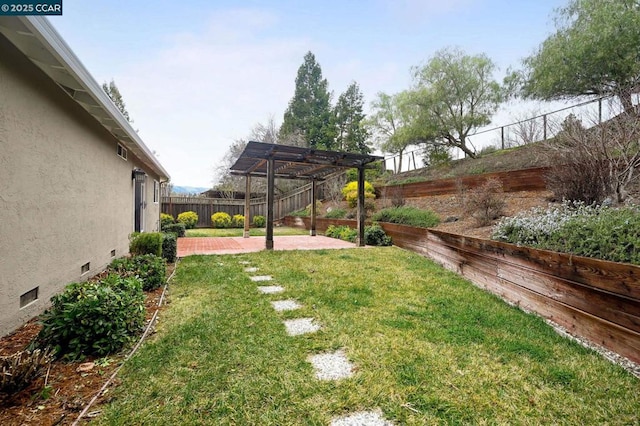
point(298, 326)
point(331, 366)
point(251, 269)
point(285, 305)
point(270, 289)
point(258, 278)
point(362, 418)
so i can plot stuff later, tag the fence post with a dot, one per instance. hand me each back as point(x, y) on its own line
point(502, 136)
point(544, 127)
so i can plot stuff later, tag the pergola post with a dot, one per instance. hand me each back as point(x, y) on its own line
point(270, 195)
point(247, 205)
point(361, 209)
point(312, 232)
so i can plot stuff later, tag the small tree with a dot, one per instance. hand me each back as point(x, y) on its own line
point(114, 94)
point(486, 202)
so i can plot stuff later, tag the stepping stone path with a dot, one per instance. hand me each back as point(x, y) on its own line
point(331, 366)
point(296, 327)
point(328, 366)
point(257, 278)
point(270, 289)
point(362, 418)
point(285, 305)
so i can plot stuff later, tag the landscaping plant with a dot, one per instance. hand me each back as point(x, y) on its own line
point(259, 221)
point(350, 192)
point(190, 219)
point(221, 220)
point(17, 371)
point(176, 228)
point(165, 219)
point(237, 221)
point(145, 243)
point(94, 317)
point(150, 269)
point(169, 247)
point(486, 202)
point(407, 215)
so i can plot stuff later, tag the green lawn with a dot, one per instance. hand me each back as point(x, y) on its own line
point(429, 347)
point(235, 232)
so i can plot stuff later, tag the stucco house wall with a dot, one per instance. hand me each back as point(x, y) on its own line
point(66, 196)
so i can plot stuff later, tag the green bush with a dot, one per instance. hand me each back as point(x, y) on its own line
point(146, 243)
point(93, 317)
point(374, 235)
point(300, 213)
point(150, 269)
point(259, 221)
point(220, 220)
point(169, 247)
point(175, 228)
point(166, 219)
point(599, 232)
point(406, 215)
point(336, 213)
point(350, 192)
point(237, 221)
point(342, 232)
point(190, 219)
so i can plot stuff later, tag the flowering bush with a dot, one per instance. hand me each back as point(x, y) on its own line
point(259, 221)
point(350, 192)
point(165, 220)
point(237, 221)
point(188, 218)
point(592, 231)
point(220, 220)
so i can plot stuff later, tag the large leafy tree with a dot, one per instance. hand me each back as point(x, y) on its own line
point(389, 123)
point(351, 134)
point(309, 111)
point(455, 94)
point(595, 51)
point(114, 94)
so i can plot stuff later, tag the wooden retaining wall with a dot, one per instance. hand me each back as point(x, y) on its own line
point(512, 181)
point(592, 298)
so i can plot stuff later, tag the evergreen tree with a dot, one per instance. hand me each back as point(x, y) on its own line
point(309, 111)
point(352, 135)
point(114, 94)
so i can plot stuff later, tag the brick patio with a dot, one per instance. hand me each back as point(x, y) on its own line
point(233, 245)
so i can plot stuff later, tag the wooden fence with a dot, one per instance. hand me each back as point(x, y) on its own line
point(595, 299)
point(512, 181)
point(282, 206)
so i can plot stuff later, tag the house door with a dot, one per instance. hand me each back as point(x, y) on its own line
point(139, 206)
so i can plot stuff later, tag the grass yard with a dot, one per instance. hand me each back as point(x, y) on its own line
point(236, 232)
point(429, 348)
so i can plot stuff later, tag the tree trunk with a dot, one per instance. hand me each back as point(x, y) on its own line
point(627, 103)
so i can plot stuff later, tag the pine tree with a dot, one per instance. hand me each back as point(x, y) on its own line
point(309, 111)
point(352, 135)
point(114, 94)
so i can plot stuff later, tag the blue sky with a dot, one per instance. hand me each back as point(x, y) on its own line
point(196, 75)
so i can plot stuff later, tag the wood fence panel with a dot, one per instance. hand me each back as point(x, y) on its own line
point(592, 298)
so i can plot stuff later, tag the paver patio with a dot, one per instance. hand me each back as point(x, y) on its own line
point(188, 246)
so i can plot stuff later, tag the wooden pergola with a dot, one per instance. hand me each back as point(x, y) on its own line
point(272, 161)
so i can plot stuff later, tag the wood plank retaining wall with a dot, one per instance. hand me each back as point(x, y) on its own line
point(592, 298)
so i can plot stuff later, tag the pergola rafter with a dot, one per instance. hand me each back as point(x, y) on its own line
point(272, 161)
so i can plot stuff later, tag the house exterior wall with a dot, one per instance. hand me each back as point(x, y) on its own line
point(66, 197)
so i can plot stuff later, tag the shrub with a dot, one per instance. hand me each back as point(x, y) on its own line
point(169, 247)
point(336, 213)
point(220, 220)
point(599, 232)
point(175, 228)
point(300, 213)
point(237, 221)
point(374, 235)
point(350, 192)
point(97, 317)
point(165, 219)
point(150, 269)
point(342, 232)
point(190, 219)
point(259, 221)
point(146, 243)
point(17, 371)
point(407, 216)
point(486, 202)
